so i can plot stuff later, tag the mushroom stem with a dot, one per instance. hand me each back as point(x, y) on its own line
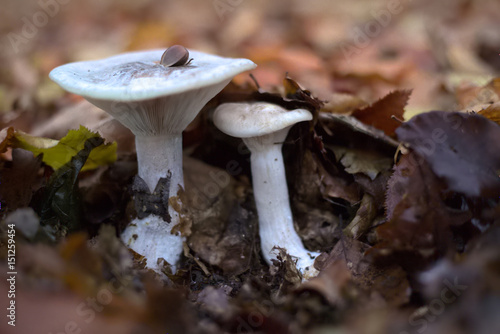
point(159, 155)
point(152, 238)
point(271, 197)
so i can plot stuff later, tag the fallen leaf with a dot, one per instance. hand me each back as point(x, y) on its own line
point(364, 218)
point(60, 202)
point(492, 112)
point(379, 114)
point(463, 149)
point(284, 267)
point(469, 95)
point(366, 162)
point(349, 131)
point(295, 96)
point(57, 153)
point(316, 222)
point(222, 230)
point(374, 284)
point(333, 283)
point(336, 186)
point(7, 136)
point(418, 220)
point(19, 179)
point(339, 103)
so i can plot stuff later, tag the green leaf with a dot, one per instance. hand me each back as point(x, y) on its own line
point(58, 153)
point(61, 203)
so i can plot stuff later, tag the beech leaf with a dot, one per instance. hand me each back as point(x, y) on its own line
point(379, 114)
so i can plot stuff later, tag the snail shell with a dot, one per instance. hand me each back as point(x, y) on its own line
point(176, 55)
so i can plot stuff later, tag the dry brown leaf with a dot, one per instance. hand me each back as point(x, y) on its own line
point(380, 284)
point(418, 221)
point(492, 112)
point(469, 95)
point(20, 179)
point(363, 219)
point(380, 113)
point(333, 283)
point(222, 230)
point(370, 163)
point(336, 186)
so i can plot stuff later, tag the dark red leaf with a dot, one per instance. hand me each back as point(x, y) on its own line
point(463, 149)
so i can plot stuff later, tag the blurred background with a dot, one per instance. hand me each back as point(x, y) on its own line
point(364, 47)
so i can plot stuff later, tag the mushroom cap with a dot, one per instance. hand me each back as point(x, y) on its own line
point(138, 76)
point(245, 120)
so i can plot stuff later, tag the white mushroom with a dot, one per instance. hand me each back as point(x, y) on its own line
point(156, 103)
point(263, 128)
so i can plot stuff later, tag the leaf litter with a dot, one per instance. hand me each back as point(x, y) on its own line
point(403, 203)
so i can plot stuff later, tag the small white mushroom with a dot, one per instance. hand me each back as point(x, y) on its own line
point(263, 128)
point(156, 102)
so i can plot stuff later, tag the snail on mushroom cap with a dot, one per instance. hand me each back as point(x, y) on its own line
point(156, 96)
point(176, 55)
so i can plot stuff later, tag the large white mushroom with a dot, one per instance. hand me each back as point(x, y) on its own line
point(156, 101)
point(263, 128)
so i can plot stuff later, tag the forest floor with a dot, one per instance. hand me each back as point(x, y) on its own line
point(395, 180)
